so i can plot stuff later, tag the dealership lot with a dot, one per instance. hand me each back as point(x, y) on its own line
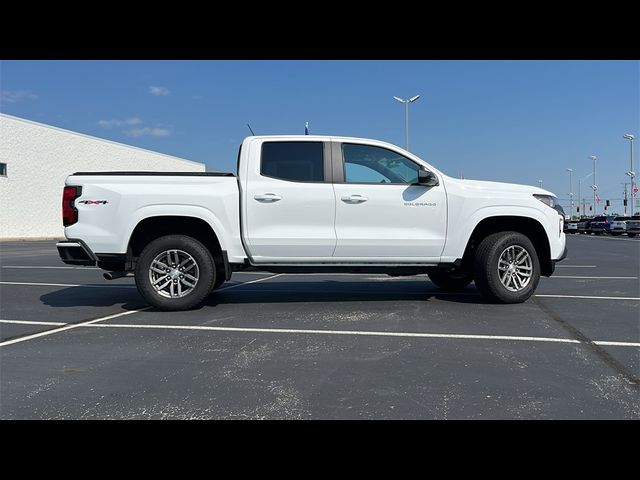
point(321, 346)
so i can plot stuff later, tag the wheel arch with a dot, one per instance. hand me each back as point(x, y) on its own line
point(530, 227)
point(150, 228)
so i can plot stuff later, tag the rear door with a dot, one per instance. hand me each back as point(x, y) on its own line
point(382, 215)
point(289, 205)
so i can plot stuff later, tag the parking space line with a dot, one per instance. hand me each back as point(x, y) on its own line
point(609, 238)
point(588, 297)
point(66, 285)
point(358, 333)
point(616, 344)
point(247, 283)
point(593, 278)
point(31, 322)
point(47, 267)
point(67, 327)
point(575, 266)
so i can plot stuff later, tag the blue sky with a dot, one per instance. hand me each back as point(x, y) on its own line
point(516, 121)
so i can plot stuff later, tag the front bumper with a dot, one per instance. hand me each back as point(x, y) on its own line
point(564, 254)
point(75, 252)
point(553, 262)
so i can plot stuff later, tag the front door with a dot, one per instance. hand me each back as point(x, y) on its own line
point(381, 214)
point(288, 203)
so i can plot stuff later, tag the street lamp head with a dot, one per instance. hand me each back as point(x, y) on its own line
point(569, 169)
point(592, 157)
point(413, 99)
point(399, 99)
point(628, 136)
point(631, 174)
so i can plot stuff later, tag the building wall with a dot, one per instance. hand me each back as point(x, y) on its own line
point(40, 157)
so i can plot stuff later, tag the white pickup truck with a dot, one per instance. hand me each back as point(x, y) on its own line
point(311, 204)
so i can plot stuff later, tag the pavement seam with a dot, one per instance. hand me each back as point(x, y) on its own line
point(600, 352)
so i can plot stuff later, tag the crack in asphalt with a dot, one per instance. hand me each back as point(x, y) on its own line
point(600, 352)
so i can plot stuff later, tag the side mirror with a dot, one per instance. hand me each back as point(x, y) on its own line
point(427, 178)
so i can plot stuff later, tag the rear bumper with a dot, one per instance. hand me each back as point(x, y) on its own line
point(75, 252)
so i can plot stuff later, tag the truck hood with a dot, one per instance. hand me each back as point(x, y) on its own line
point(480, 185)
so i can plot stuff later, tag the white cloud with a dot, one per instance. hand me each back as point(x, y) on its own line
point(151, 131)
point(159, 91)
point(15, 96)
point(115, 122)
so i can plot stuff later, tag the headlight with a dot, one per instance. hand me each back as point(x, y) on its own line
point(548, 200)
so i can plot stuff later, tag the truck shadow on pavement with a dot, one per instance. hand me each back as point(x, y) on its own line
point(280, 292)
point(335, 291)
point(94, 297)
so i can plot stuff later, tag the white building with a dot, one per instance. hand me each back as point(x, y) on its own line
point(35, 160)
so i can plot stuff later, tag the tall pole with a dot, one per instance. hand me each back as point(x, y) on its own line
point(625, 199)
point(570, 192)
point(631, 173)
point(406, 117)
point(406, 126)
point(595, 185)
point(580, 197)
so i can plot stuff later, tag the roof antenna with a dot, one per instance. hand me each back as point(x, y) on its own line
point(251, 130)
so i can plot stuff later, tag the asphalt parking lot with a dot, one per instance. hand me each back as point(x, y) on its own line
point(265, 346)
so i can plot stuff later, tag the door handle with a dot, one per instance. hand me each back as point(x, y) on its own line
point(354, 199)
point(267, 197)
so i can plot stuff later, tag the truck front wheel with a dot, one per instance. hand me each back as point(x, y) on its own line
point(175, 272)
point(506, 267)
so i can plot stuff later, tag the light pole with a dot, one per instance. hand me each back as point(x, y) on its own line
point(624, 198)
point(594, 186)
point(570, 170)
point(631, 173)
point(540, 183)
point(406, 118)
point(580, 199)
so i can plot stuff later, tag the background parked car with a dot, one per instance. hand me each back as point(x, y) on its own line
point(601, 224)
point(619, 225)
point(583, 225)
point(571, 226)
point(633, 226)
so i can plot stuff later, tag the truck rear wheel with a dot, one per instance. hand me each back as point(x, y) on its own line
point(175, 272)
point(506, 267)
point(450, 279)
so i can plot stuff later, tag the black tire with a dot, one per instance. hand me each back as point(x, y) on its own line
point(485, 268)
point(219, 280)
point(631, 235)
point(450, 280)
point(206, 278)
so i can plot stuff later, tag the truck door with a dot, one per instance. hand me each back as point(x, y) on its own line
point(381, 214)
point(288, 202)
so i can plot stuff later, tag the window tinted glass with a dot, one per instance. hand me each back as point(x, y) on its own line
point(294, 161)
point(369, 164)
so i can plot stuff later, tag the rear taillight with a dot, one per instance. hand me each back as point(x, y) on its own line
point(69, 211)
